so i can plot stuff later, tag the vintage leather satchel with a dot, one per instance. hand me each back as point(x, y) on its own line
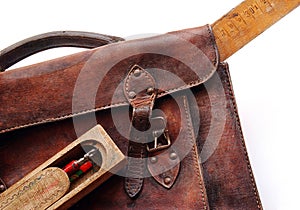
point(166, 101)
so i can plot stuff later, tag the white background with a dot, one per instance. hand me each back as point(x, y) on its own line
point(265, 73)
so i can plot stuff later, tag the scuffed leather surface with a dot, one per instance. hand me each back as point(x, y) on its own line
point(17, 52)
point(32, 146)
point(223, 181)
point(142, 103)
point(228, 182)
point(26, 92)
point(228, 176)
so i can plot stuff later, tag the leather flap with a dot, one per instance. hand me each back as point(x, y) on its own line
point(93, 80)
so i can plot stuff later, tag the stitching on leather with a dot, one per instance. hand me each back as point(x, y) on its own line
point(195, 155)
point(192, 84)
point(134, 185)
point(64, 117)
point(212, 39)
point(232, 98)
point(127, 83)
point(205, 77)
point(130, 75)
point(54, 119)
point(150, 79)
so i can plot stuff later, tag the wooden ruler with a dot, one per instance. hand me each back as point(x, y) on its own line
point(247, 21)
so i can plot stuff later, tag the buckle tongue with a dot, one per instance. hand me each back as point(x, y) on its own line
point(159, 134)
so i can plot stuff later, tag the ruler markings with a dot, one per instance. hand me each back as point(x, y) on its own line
point(248, 20)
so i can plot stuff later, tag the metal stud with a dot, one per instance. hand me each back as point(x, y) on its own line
point(150, 90)
point(137, 72)
point(167, 180)
point(173, 155)
point(153, 159)
point(131, 94)
point(2, 188)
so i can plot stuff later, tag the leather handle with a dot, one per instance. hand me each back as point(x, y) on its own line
point(27, 47)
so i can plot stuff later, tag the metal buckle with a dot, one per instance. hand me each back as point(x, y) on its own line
point(160, 135)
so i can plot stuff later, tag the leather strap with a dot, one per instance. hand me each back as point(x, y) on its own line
point(23, 49)
point(136, 153)
point(140, 92)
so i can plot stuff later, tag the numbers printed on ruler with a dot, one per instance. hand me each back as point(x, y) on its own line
point(243, 17)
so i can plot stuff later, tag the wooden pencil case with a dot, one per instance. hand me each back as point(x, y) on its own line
point(49, 187)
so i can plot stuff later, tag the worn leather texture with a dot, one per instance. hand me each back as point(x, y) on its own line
point(46, 106)
point(137, 82)
point(32, 45)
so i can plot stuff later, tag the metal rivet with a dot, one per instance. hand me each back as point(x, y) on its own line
point(153, 159)
point(131, 94)
point(137, 72)
point(167, 180)
point(150, 90)
point(2, 187)
point(173, 155)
